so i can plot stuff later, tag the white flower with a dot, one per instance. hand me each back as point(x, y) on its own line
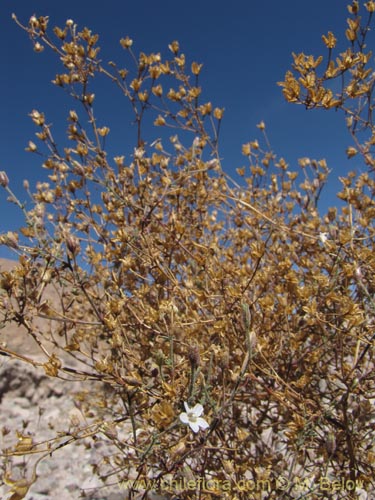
point(323, 237)
point(193, 417)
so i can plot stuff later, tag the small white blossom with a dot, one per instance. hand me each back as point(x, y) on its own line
point(193, 417)
point(323, 237)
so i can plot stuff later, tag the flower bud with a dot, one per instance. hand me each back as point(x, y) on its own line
point(33, 22)
point(174, 47)
point(126, 43)
point(31, 147)
point(38, 47)
point(253, 341)
point(72, 244)
point(11, 239)
point(38, 118)
point(4, 181)
point(331, 444)
point(194, 357)
point(73, 116)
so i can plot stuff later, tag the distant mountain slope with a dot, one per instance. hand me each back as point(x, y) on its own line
point(6, 264)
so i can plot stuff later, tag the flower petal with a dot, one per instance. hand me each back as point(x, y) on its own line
point(202, 423)
point(184, 418)
point(194, 426)
point(187, 409)
point(197, 410)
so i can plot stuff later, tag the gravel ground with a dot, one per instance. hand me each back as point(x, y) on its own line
point(67, 474)
point(30, 401)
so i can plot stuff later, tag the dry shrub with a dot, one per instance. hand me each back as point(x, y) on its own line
point(178, 285)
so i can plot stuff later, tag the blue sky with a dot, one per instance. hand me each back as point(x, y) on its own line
point(245, 47)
